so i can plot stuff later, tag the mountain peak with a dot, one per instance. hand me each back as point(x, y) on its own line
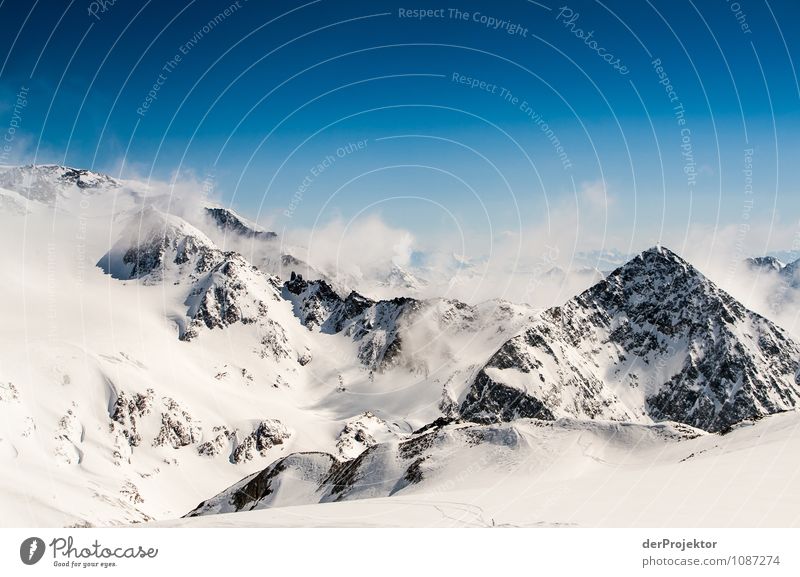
point(655, 261)
point(662, 255)
point(656, 278)
point(655, 339)
point(661, 250)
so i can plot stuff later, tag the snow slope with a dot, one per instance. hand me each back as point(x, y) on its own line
point(568, 473)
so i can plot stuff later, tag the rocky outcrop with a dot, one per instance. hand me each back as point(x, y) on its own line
point(156, 247)
point(267, 434)
point(364, 431)
point(374, 325)
point(229, 222)
point(178, 428)
point(242, 446)
point(126, 413)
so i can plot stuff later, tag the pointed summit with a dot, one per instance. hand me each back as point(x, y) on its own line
point(661, 250)
point(660, 258)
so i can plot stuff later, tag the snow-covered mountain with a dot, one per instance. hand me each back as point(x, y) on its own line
point(157, 348)
point(402, 279)
point(223, 288)
point(625, 351)
point(789, 272)
point(655, 340)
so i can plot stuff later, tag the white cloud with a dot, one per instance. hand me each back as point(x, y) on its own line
point(594, 196)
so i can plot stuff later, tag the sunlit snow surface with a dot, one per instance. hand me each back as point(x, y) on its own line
point(588, 476)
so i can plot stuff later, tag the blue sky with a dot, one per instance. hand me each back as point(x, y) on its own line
point(266, 94)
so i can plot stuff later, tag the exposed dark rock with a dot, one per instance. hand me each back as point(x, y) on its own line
point(489, 402)
point(229, 222)
point(177, 427)
point(267, 434)
point(126, 412)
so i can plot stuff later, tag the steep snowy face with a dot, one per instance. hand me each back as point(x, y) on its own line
point(45, 183)
point(158, 247)
point(291, 480)
point(654, 340)
point(230, 222)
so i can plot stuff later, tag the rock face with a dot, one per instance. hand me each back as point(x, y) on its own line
point(374, 325)
point(229, 222)
point(654, 340)
point(318, 306)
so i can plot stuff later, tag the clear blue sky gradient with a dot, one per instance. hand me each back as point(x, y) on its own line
point(277, 87)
